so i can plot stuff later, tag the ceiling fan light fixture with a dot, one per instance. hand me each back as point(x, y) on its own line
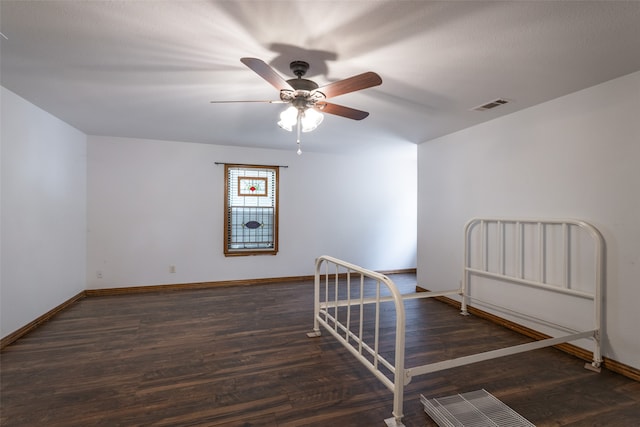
point(307, 98)
point(288, 118)
point(310, 119)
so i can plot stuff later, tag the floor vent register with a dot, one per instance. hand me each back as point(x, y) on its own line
point(473, 409)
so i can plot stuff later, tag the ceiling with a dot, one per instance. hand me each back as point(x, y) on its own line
point(149, 69)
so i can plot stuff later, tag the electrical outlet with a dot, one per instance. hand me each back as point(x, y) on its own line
point(99, 274)
point(172, 269)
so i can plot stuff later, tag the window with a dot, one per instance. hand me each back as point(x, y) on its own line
point(251, 210)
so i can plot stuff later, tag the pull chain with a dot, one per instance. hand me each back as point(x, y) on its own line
point(298, 133)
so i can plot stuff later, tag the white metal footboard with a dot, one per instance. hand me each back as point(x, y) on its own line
point(343, 292)
point(346, 291)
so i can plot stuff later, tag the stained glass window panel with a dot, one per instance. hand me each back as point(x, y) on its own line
point(251, 210)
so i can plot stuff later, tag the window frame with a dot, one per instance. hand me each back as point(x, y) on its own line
point(230, 192)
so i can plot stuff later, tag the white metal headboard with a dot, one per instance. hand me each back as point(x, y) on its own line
point(537, 253)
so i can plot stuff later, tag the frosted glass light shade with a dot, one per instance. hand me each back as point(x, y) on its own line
point(288, 118)
point(310, 119)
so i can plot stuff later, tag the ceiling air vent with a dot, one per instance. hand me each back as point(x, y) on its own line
point(491, 104)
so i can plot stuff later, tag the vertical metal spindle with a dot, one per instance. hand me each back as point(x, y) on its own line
point(335, 291)
point(500, 232)
point(326, 291)
point(542, 253)
point(597, 301)
point(464, 284)
point(565, 256)
point(346, 333)
point(377, 327)
point(520, 249)
point(361, 313)
point(483, 243)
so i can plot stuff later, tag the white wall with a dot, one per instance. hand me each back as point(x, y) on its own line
point(43, 205)
point(153, 204)
point(577, 156)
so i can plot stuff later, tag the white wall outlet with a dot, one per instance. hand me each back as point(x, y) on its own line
point(172, 269)
point(99, 274)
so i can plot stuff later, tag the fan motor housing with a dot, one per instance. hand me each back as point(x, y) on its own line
point(299, 69)
point(303, 84)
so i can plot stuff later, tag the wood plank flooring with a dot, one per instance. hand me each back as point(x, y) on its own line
point(239, 356)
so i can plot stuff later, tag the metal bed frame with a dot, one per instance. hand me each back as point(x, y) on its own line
point(523, 252)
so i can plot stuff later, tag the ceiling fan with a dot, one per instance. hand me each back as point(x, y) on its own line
point(308, 100)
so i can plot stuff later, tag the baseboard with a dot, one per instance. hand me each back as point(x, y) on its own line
point(12, 337)
point(191, 286)
point(218, 284)
point(610, 364)
point(401, 271)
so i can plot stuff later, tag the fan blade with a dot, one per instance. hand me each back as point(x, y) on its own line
point(231, 102)
point(340, 110)
point(265, 71)
point(351, 84)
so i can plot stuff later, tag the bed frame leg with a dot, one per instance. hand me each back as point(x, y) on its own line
point(597, 355)
point(314, 334)
point(464, 302)
point(593, 366)
point(394, 422)
point(463, 308)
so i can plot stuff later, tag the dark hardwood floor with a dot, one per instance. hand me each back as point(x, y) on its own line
point(239, 356)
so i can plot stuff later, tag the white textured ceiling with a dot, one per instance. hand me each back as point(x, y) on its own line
point(148, 69)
